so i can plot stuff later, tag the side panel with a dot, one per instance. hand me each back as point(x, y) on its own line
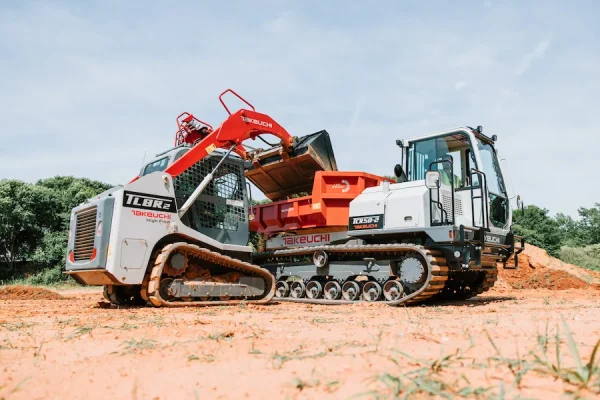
point(406, 206)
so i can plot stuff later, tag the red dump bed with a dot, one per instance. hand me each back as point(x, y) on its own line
point(327, 207)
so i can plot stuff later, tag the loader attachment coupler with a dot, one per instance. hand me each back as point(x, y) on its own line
point(279, 173)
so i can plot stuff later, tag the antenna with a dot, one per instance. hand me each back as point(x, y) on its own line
point(144, 159)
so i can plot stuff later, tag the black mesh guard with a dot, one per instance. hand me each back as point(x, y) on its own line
point(222, 204)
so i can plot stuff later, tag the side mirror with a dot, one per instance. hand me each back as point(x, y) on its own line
point(398, 171)
point(432, 179)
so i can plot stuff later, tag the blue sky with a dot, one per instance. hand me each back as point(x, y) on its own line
point(86, 88)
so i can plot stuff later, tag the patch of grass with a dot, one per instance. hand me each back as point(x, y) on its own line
point(20, 385)
point(302, 384)
point(67, 321)
point(254, 350)
point(547, 360)
point(586, 257)
point(127, 327)
point(325, 320)
point(80, 331)
point(157, 321)
point(137, 346)
point(428, 379)
point(279, 359)
point(547, 300)
point(517, 367)
point(206, 357)
point(583, 375)
point(49, 277)
point(221, 335)
point(16, 326)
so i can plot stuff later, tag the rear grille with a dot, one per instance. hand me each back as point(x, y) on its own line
point(85, 233)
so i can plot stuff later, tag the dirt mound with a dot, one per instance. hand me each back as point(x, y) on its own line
point(538, 270)
point(28, 293)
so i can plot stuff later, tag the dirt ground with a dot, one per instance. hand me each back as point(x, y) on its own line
point(76, 348)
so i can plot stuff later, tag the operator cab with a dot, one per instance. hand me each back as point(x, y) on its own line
point(221, 211)
point(162, 160)
point(464, 158)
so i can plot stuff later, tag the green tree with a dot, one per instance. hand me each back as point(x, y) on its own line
point(27, 212)
point(572, 233)
point(590, 225)
point(34, 219)
point(539, 228)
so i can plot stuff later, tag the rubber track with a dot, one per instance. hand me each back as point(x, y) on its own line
point(437, 270)
point(150, 286)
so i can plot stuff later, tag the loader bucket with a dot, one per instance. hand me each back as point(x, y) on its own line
point(278, 173)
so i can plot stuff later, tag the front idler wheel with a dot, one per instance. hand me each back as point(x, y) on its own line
point(164, 291)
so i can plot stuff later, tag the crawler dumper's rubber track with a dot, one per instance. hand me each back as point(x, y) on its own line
point(436, 274)
point(227, 266)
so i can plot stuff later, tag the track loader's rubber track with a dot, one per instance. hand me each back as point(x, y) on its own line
point(151, 285)
point(457, 288)
point(435, 262)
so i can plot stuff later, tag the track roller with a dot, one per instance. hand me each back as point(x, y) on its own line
point(351, 291)
point(282, 289)
point(314, 290)
point(372, 291)
point(297, 290)
point(332, 290)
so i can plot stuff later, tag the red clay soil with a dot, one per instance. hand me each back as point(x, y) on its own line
point(28, 293)
point(537, 270)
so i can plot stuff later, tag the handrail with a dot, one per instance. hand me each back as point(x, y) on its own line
point(440, 205)
point(238, 96)
point(483, 197)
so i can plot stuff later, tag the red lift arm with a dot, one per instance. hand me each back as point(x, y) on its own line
point(242, 125)
point(288, 168)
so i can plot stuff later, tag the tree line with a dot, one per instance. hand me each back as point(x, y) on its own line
point(573, 241)
point(34, 225)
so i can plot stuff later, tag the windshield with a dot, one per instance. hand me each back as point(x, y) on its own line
point(495, 183)
point(491, 168)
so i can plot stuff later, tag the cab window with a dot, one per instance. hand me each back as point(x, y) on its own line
point(426, 155)
point(158, 165)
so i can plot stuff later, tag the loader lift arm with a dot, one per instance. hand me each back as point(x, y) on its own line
point(242, 125)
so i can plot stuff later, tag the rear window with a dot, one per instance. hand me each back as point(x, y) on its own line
point(158, 165)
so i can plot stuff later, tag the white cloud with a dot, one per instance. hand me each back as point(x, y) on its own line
point(459, 85)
